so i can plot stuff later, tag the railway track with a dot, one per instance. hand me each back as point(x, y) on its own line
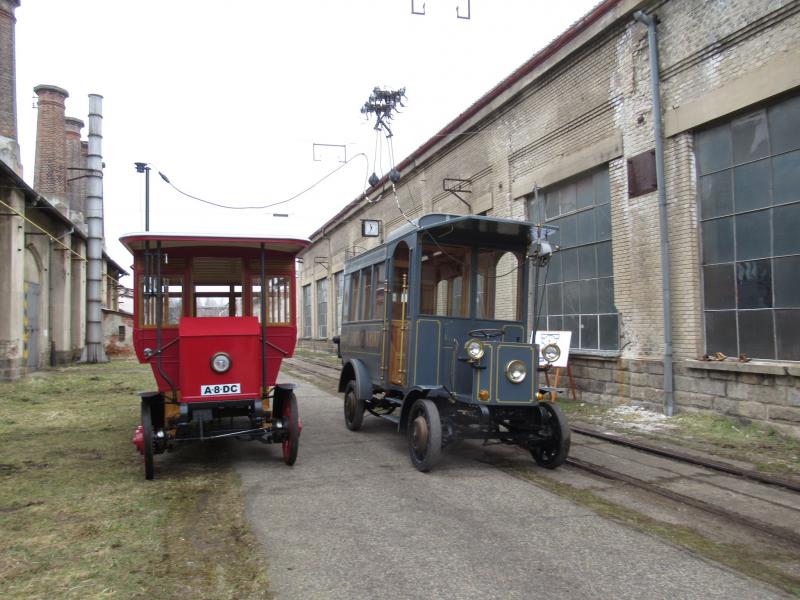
point(321, 369)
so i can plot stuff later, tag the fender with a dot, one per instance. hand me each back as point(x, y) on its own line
point(353, 368)
point(416, 392)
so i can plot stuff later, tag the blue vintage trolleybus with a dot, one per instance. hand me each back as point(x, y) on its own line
point(434, 338)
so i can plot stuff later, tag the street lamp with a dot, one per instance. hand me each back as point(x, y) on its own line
point(145, 168)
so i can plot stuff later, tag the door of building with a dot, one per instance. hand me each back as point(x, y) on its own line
point(32, 293)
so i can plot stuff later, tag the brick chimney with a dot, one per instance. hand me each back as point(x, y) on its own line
point(50, 170)
point(76, 193)
point(9, 147)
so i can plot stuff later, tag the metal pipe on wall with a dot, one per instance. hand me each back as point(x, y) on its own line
point(651, 21)
point(94, 351)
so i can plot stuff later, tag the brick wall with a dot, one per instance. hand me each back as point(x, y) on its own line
point(597, 92)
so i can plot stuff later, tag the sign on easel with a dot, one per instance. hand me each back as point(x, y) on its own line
point(561, 340)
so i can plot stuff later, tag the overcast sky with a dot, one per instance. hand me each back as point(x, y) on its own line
point(227, 98)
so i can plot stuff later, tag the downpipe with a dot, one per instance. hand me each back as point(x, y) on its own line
point(650, 21)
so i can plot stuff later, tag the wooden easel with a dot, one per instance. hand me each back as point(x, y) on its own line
point(555, 382)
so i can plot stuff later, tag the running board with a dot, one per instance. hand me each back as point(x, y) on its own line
point(391, 418)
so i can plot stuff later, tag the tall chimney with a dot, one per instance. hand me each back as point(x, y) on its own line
point(9, 147)
point(94, 351)
point(75, 170)
point(50, 170)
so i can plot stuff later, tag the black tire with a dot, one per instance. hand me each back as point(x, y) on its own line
point(424, 433)
point(554, 452)
point(291, 442)
point(147, 431)
point(353, 407)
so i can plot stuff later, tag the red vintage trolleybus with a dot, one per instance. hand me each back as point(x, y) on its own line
point(214, 343)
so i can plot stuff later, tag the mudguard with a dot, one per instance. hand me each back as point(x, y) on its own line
point(355, 369)
point(419, 391)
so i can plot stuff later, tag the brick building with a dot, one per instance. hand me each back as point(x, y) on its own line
point(568, 139)
point(43, 230)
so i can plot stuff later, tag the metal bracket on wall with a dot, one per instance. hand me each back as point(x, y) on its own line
point(322, 260)
point(456, 187)
point(316, 145)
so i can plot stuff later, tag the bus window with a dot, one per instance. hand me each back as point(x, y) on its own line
point(499, 285)
point(217, 300)
point(380, 292)
point(366, 298)
point(279, 300)
point(172, 308)
point(444, 289)
point(355, 292)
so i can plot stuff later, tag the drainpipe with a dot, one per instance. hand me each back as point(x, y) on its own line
point(651, 21)
point(94, 351)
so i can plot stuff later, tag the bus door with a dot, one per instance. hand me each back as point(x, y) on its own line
point(398, 316)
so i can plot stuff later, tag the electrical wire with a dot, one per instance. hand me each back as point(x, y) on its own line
point(264, 206)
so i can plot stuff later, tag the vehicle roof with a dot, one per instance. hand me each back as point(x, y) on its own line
point(468, 226)
point(136, 241)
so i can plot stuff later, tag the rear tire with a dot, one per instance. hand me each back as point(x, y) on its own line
point(147, 431)
point(353, 407)
point(424, 432)
point(554, 452)
point(291, 443)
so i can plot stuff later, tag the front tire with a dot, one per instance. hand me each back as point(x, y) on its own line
point(424, 432)
point(554, 452)
point(291, 418)
point(147, 435)
point(353, 407)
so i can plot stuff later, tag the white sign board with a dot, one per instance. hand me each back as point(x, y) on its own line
point(561, 339)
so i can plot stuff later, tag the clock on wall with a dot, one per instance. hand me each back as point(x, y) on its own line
point(370, 227)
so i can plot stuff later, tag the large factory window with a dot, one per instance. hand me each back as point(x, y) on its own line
point(577, 293)
point(749, 204)
point(307, 311)
point(338, 292)
point(322, 309)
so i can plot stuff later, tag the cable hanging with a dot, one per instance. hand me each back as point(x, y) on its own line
point(264, 206)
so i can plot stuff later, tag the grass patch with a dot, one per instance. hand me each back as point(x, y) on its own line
point(719, 435)
point(79, 520)
point(740, 558)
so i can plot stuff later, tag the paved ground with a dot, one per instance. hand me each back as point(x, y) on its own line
point(353, 519)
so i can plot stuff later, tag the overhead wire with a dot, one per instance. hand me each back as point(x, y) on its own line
point(264, 206)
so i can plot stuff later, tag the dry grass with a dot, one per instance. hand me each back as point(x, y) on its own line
point(78, 519)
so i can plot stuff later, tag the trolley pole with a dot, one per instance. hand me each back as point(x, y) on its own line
point(145, 168)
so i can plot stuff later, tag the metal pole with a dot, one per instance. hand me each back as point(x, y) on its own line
point(147, 198)
point(650, 21)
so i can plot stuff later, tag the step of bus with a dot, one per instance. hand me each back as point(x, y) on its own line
point(393, 418)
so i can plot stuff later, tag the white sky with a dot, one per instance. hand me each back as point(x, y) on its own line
point(226, 98)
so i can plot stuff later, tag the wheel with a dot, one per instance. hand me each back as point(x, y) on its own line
point(147, 431)
point(353, 408)
point(553, 452)
point(424, 435)
point(291, 418)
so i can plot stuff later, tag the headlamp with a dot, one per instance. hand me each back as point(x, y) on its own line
point(551, 353)
point(220, 362)
point(516, 371)
point(474, 349)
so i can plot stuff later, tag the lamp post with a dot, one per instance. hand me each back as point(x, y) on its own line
point(145, 168)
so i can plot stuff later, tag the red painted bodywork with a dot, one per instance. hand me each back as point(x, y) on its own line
point(187, 348)
point(239, 338)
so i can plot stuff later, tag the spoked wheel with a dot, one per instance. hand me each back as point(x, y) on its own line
point(553, 452)
point(147, 436)
point(353, 408)
point(291, 418)
point(424, 435)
